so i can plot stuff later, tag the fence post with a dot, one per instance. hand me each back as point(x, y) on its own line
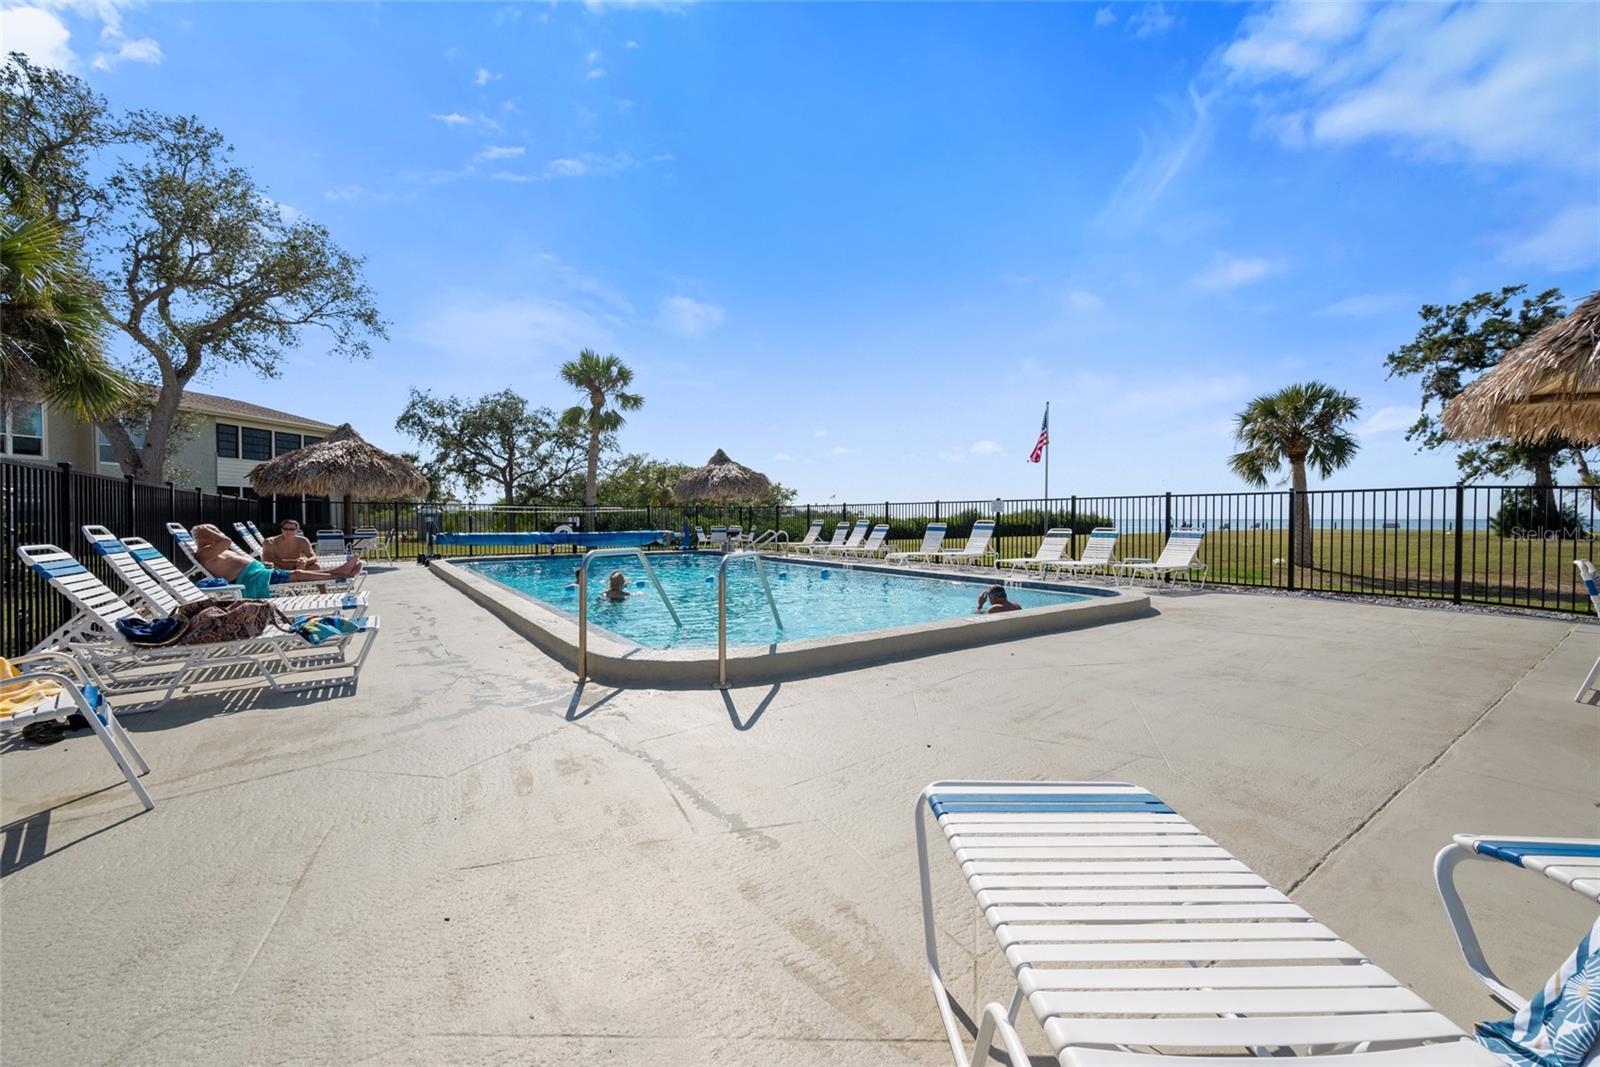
point(127, 499)
point(1166, 531)
point(1455, 589)
point(936, 510)
point(64, 504)
point(1293, 505)
point(172, 503)
point(1072, 523)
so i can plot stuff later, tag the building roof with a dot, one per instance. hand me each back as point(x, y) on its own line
point(207, 404)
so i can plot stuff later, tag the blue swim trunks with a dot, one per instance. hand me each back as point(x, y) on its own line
point(258, 579)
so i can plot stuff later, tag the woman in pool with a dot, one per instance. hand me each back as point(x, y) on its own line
point(995, 598)
point(617, 587)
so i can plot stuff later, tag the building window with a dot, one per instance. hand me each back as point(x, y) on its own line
point(286, 442)
point(227, 441)
point(307, 442)
point(257, 443)
point(102, 445)
point(22, 430)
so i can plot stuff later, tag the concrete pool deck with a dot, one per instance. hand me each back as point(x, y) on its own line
point(469, 861)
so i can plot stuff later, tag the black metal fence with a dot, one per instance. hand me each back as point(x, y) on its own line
point(1496, 545)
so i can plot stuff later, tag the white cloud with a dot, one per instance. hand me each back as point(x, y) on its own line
point(453, 118)
point(1182, 394)
point(594, 73)
point(688, 317)
point(39, 35)
point(782, 457)
point(1105, 16)
point(1162, 157)
point(589, 164)
point(819, 433)
point(484, 77)
point(1497, 83)
point(985, 448)
point(1151, 20)
point(1387, 420)
point(142, 50)
point(500, 151)
point(840, 450)
point(953, 455)
point(593, 57)
point(1083, 302)
point(1230, 272)
point(631, 45)
point(357, 193)
point(1568, 240)
point(1364, 305)
point(511, 331)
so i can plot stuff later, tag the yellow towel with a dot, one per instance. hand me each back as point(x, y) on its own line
point(17, 698)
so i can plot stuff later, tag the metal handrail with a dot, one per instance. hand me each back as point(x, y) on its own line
point(583, 599)
point(770, 537)
point(722, 607)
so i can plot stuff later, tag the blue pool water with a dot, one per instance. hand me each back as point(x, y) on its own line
point(814, 600)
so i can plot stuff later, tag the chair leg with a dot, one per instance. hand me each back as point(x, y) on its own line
point(1588, 682)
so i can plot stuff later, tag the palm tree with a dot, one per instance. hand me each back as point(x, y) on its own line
point(52, 323)
point(603, 379)
point(1298, 424)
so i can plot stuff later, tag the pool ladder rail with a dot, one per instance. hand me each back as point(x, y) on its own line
point(583, 598)
point(722, 602)
point(722, 607)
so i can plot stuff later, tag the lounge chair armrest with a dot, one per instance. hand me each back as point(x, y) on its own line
point(1444, 866)
point(58, 661)
point(994, 1024)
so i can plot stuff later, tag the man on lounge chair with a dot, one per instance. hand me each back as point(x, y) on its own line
point(290, 549)
point(217, 555)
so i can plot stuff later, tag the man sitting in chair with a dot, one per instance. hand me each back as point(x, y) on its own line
point(219, 557)
point(290, 549)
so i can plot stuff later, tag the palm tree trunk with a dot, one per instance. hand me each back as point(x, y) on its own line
point(1549, 513)
point(591, 487)
point(1300, 514)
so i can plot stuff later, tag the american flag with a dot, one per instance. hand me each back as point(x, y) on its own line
point(1044, 438)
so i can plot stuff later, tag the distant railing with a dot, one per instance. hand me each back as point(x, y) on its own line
point(1508, 546)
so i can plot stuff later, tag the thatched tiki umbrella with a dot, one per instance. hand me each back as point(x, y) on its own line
point(340, 465)
point(721, 480)
point(1547, 387)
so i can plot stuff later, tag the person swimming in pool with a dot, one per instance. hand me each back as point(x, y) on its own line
point(220, 558)
point(617, 587)
point(995, 598)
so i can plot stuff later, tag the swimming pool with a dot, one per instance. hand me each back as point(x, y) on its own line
point(814, 600)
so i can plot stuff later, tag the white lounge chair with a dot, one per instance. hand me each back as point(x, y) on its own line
point(871, 548)
point(976, 550)
point(932, 538)
point(1109, 906)
point(1096, 558)
point(719, 539)
point(1051, 550)
point(1586, 574)
point(117, 665)
point(53, 686)
point(1177, 557)
point(840, 533)
point(812, 533)
point(248, 538)
point(160, 588)
point(185, 542)
point(331, 544)
point(858, 533)
point(1573, 862)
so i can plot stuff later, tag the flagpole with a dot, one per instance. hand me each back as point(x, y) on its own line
point(1047, 465)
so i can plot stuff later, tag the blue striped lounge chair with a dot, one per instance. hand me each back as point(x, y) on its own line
point(932, 539)
point(1134, 937)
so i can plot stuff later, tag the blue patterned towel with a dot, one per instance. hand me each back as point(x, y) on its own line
point(1560, 1027)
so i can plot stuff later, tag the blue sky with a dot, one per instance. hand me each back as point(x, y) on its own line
point(859, 246)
